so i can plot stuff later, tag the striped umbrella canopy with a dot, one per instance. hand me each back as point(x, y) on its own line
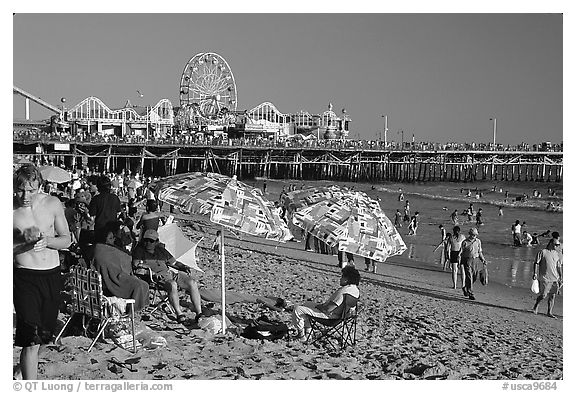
point(229, 202)
point(350, 220)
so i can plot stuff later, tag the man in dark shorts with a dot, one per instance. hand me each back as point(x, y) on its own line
point(455, 251)
point(548, 271)
point(150, 253)
point(40, 229)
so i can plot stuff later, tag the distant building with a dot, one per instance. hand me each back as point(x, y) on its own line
point(92, 116)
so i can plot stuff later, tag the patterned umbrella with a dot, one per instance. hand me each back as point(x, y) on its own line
point(351, 220)
point(230, 203)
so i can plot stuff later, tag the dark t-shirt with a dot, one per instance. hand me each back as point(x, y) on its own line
point(105, 208)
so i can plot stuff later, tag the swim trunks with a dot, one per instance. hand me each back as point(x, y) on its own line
point(36, 301)
point(454, 256)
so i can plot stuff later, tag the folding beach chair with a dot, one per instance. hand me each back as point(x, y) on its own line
point(89, 301)
point(341, 330)
point(156, 291)
point(183, 250)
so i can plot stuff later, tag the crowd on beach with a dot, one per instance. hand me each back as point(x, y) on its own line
point(464, 255)
point(110, 223)
point(84, 222)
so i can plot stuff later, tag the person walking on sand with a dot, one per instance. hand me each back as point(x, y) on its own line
point(455, 251)
point(442, 232)
point(413, 226)
point(40, 229)
point(445, 244)
point(470, 212)
point(217, 243)
point(454, 217)
point(517, 233)
point(407, 211)
point(500, 212)
point(398, 219)
point(479, 217)
point(469, 257)
point(548, 272)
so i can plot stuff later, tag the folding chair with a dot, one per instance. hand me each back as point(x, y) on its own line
point(156, 290)
point(341, 329)
point(89, 301)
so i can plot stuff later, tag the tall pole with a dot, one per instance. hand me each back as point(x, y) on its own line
point(385, 130)
point(223, 288)
point(147, 121)
point(494, 132)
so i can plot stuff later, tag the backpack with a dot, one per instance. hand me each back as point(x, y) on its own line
point(265, 329)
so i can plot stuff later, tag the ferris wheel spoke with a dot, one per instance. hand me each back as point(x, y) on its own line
point(207, 81)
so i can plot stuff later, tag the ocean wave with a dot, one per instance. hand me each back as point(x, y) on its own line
point(531, 204)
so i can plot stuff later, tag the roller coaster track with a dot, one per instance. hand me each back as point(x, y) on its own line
point(39, 101)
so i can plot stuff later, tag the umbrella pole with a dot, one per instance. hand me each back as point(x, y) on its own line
point(222, 259)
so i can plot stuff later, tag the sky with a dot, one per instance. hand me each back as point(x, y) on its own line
point(440, 77)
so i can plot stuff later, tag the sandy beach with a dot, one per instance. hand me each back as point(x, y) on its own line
point(412, 325)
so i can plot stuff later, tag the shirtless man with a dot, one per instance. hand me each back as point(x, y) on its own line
point(39, 230)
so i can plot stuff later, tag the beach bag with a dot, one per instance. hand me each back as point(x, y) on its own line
point(213, 324)
point(265, 329)
point(483, 275)
point(535, 288)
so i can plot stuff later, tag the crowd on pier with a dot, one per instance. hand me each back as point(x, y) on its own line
point(33, 134)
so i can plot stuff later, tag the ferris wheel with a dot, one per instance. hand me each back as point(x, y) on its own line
point(208, 86)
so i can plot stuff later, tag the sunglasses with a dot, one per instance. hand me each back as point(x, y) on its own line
point(149, 241)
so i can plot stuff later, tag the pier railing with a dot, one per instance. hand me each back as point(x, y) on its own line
point(326, 160)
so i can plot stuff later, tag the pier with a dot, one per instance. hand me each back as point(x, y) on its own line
point(306, 163)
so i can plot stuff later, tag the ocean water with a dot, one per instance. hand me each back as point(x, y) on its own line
point(507, 265)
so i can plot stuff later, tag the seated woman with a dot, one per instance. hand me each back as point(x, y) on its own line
point(115, 267)
point(330, 309)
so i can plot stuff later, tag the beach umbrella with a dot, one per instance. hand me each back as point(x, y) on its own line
point(229, 202)
point(54, 174)
point(298, 199)
point(21, 161)
point(352, 221)
point(134, 184)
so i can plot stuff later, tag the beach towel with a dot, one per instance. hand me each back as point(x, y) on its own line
point(115, 267)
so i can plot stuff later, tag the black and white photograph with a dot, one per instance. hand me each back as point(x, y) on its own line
point(301, 194)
